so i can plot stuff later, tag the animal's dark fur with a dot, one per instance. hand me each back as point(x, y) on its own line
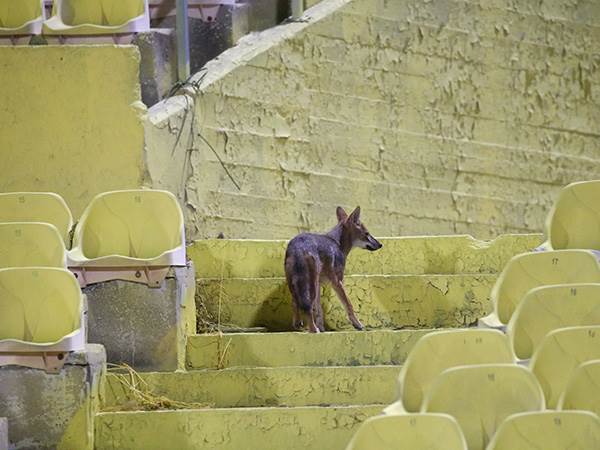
point(313, 258)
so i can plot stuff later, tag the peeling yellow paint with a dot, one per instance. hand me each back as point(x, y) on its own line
point(438, 117)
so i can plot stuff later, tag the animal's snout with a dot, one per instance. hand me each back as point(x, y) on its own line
point(373, 244)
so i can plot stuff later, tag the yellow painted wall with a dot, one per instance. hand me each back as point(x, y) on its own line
point(70, 120)
point(437, 117)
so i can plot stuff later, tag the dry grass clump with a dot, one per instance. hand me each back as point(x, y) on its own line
point(142, 396)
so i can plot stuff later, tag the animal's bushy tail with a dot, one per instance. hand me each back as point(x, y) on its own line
point(301, 274)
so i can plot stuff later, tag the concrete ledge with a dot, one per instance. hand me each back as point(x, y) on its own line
point(144, 327)
point(255, 387)
point(3, 433)
point(221, 258)
point(351, 348)
point(48, 411)
point(389, 301)
point(232, 429)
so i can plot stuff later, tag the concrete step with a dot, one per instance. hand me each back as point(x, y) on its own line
point(380, 301)
point(220, 258)
point(304, 428)
point(349, 348)
point(257, 387)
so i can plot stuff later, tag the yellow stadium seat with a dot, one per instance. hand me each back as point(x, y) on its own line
point(481, 397)
point(549, 308)
point(41, 317)
point(37, 207)
point(410, 431)
point(549, 430)
point(441, 350)
point(31, 244)
point(21, 17)
point(583, 389)
point(574, 221)
point(133, 235)
point(98, 17)
point(559, 354)
point(530, 270)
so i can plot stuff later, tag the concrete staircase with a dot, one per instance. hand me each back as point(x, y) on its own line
point(272, 388)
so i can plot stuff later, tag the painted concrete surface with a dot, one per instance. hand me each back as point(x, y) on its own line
point(144, 327)
point(441, 117)
point(71, 120)
point(53, 411)
point(223, 258)
point(232, 429)
point(380, 301)
point(256, 387)
point(352, 348)
point(3, 433)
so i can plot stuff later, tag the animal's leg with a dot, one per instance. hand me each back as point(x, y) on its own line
point(338, 287)
point(297, 322)
point(318, 308)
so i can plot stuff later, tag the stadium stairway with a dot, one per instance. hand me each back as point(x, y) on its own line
point(252, 383)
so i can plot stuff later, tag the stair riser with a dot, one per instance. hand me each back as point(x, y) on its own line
point(233, 429)
point(257, 387)
point(412, 255)
point(384, 347)
point(379, 301)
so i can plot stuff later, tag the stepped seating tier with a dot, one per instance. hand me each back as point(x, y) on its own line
point(230, 258)
point(265, 386)
point(343, 348)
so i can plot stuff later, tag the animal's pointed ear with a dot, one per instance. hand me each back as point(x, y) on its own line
point(355, 215)
point(341, 214)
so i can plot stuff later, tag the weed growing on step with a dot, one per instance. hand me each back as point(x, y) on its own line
point(140, 394)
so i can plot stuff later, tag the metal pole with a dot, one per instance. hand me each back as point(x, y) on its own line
point(297, 9)
point(183, 41)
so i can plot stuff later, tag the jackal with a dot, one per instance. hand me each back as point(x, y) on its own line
point(312, 258)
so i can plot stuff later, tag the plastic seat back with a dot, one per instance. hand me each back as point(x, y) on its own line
point(37, 207)
point(583, 390)
point(574, 221)
point(31, 244)
point(550, 430)
point(97, 17)
point(530, 270)
point(441, 350)
point(549, 308)
point(38, 305)
point(137, 224)
point(559, 354)
point(411, 431)
point(119, 12)
point(80, 12)
point(16, 16)
point(481, 397)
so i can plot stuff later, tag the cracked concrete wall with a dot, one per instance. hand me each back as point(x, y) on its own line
point(232, 429)
point(437, 117)
point(70, 120)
